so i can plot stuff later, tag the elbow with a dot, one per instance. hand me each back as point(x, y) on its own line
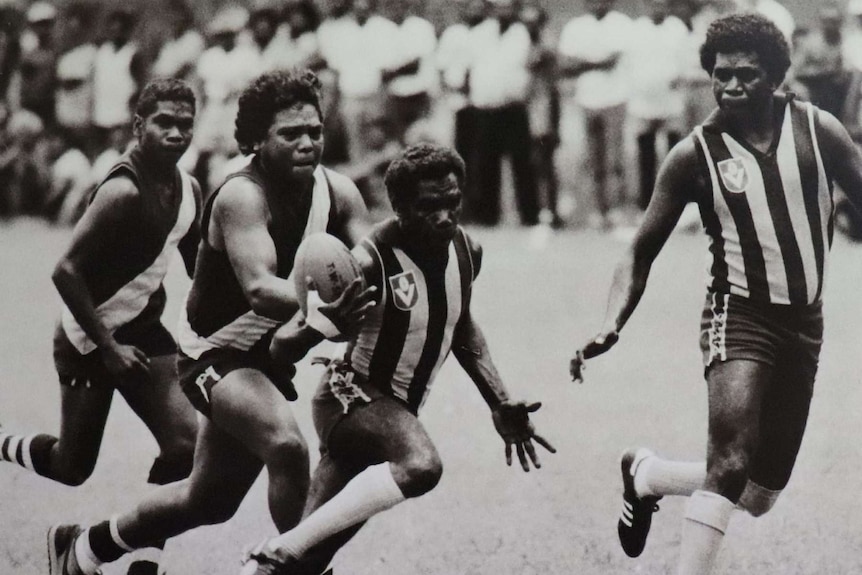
point(63, 271)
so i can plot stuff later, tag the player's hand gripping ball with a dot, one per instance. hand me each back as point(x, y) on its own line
point(329, 264)
point(325, 272)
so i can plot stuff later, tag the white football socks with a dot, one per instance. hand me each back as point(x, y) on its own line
point(372, 491)
point(654, 476)
point(706, 518)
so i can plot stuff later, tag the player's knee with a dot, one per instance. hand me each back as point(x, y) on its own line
point(421, 473)
point(287, 449)
point(208, 508)
point(758, 500)
point(75, 474)
point(728, 472)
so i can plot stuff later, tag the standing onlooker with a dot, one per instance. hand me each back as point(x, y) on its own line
point(773, 11)
point(302, 19)
point(39, 62)
point(411, 86)
point(543, 101)
point(267, 43)
point(75, 67)
point(117, 76)
point(179, 54)
point(453, 61)
point(359, 46)
point(590, 50)
point(10, 57)
point(27, 175)
point(499, 82)
point(655, 106)
point(819, 61)
point(853, 36)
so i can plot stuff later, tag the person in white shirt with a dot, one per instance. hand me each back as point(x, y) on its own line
point(411, 87)
point(853, 36)
point(359, 46)
point(453, 61)
point(179, 54)
point(773, 11)
point(655, 107)
point(302, 19)
point(499, 81)
point(590, 50)
point(118, 73)
point(75, 67)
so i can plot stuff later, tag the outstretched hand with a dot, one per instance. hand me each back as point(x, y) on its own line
point(596, 346)
point(512, 421)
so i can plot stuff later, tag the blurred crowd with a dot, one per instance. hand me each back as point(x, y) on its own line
point(582, 118)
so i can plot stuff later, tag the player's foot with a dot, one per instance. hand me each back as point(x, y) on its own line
point(61, 550)
point(636, 518)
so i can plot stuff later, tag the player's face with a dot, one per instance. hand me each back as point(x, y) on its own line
point(739, 81)
point(434, 214)
point(167, 132)
point(294, 142)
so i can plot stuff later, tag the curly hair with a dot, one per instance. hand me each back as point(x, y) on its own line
point(267, 96)
point(163, 90)
point(417, 163)
point(747, 33)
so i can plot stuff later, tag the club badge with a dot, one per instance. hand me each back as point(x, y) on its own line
point(734, 175)
point(404, 291)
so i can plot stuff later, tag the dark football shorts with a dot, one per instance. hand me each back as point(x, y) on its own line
point(199, 376)
point(341, 391)
point(152, 338)
point(787, 337)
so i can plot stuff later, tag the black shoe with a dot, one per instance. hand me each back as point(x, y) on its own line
point(636, 518)
point(143, 568)
point(61, 550)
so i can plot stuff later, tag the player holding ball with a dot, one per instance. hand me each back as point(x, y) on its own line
point(375, 452)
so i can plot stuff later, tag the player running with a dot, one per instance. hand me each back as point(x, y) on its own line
point(375, 452)
point(241, 293)
point(110, 335)
point(761, 169)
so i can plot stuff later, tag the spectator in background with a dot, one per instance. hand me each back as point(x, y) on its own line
point(69, 180)
point(453, 61)
point(223, 71)
point(302, 19)
point(499, 83)
point(118, 73)
point(590, 50)
point(28, 174)
point(269, 46)
point(773, 11)
point(819, 61)
point(10, 58)
point(411, 87)
point(655, 106)
point(853, 36)
point(39, 62)
point(179, 54)
point(75, 68)
point(543, 101)
point(359, 45)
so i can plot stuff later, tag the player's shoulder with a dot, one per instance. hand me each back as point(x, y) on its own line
point(474, 250)
point(342, 187)
point(239, 195)
point(119, 190)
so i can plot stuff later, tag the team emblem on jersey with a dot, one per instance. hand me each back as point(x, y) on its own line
point(404, 291)
point(734, 175)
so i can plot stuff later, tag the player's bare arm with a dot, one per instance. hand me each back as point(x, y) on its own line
point(188, 246)
point(239, 228)
point(676, 180)
point(115, 204)
point(511, 419)
point(353, 224)
point(842, 156)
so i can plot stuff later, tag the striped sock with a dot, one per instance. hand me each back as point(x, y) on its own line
point(99, 544)
point(31, 452)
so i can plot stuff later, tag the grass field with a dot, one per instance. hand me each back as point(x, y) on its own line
point(484, 518)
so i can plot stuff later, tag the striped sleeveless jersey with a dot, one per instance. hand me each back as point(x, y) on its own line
point(769, 216)
point(216, 313)
point(408, 335)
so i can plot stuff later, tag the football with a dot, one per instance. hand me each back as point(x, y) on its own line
point(329, 264)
